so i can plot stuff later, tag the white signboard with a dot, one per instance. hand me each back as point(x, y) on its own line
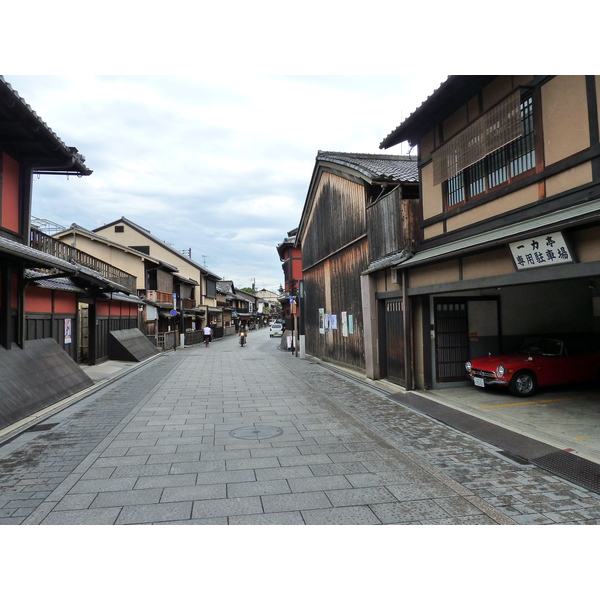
point(541, 251)
point(68, 338)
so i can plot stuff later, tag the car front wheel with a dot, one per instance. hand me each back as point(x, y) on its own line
point(523, 384)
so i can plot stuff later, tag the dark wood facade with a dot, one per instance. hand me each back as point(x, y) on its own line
point(360, 210)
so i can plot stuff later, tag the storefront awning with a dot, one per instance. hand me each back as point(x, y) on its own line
point(557, 219)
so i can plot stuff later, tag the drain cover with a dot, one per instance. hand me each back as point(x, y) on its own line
point(43, 427)
point(260, 432)
point(573, 468)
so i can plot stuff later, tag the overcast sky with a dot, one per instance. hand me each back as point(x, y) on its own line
point(218, 164)
point(218, 155)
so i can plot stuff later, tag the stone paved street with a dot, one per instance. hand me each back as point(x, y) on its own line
point(230, 435)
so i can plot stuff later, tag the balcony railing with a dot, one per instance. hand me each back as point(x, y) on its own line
point(165, 298)
point(156, 296)
point(49, 245)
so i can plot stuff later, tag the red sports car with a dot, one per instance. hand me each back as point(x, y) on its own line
point(540, 362)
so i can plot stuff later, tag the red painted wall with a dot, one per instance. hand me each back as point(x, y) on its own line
point(65, 302)
point(10, 193)
point(124, 309)
point(296, 263)
point(39, 300)
point(102, 308)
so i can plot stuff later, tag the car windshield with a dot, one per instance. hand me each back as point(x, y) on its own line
point(276, 326)
point(541, 346)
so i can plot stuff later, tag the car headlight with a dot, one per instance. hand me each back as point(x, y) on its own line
point(500, 371)
point(468, 366)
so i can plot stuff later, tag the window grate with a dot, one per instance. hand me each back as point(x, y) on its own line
point(498, 167)
point(496, 128)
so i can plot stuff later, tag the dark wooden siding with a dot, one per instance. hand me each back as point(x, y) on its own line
point(337, 219)
point(393, 223)
point(334, 285)
point(40, 326)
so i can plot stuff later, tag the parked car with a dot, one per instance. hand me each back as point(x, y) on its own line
point(539, 362)
point(276, 330)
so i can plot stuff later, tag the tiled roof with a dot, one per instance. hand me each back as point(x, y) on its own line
point(443, 102)
point(388, 261)
point(35, 258)
point(166, 245)
point(379, 167)
point(27, 136)
point(56, 283)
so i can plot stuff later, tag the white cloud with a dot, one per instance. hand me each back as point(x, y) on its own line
point(218, 164)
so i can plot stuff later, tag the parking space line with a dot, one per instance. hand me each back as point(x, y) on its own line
point(525, 403)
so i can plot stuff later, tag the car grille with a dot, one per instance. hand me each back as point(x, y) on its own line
point(483, 374)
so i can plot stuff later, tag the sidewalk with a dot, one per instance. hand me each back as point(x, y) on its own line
point(253, 435)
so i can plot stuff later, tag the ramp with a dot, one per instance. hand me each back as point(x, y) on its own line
point(35, 377)
point(130, 345)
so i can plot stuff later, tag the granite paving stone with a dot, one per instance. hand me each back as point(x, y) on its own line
point(113, 484)
point(295, 501)
point(225, 476)
point(351, 515)
point(149, 513)
point(161, 481)
point(126, 498)
point(258, 488)
point(227, 507)
point(284, 518)
point(313, 484)
point(89, 516)
point(196, 492)
point(360, 496)
point(76, 502)
point(155, 447)
point(283, 473)
point(172, 458)
point(405, 512)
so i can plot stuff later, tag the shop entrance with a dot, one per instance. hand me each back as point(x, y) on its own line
point(394, 342)
point(464, 328)
point(451, 338)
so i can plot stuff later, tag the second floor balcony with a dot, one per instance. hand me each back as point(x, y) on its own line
point(45, 243)
point(165, 298)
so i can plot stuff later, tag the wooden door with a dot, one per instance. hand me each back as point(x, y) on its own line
point(394, 346)
point(451, 339)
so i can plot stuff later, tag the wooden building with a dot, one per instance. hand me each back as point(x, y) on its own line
point(38, 290)
point(358, 216)
point(509, 245)
point(156, 281)
point(290, 255)
point(203, 293)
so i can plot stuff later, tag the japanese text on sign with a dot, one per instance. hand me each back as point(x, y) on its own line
point(541, 251)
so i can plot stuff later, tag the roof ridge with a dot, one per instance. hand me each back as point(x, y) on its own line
point(366, 155)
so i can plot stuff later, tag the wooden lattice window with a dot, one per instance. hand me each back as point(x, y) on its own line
point(497, 168)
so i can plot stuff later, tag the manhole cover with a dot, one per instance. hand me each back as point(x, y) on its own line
point(256, 432)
